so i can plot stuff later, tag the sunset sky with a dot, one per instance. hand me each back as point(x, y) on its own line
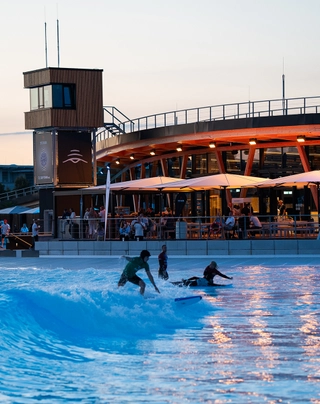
point(159, 55)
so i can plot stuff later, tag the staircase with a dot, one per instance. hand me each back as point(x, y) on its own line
point(116, 122)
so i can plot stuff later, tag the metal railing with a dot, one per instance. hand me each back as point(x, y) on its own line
point(249, 109)
point(192, 228)
point(18, 193)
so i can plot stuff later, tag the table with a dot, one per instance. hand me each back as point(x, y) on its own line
point(198, 230)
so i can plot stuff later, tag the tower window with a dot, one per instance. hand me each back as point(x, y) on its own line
point(53, 96)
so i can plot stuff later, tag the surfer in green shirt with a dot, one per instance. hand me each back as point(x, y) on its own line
point(134, 265)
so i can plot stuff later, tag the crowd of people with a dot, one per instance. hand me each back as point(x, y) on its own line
point(240, 223)
point(5, 230)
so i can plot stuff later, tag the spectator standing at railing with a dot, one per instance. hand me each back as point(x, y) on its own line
point(65, 214)
point(102, 215)
point(64, 219)
point(138, 226)
point(86, 222)
point(35, 231)
point(72, 214)
point(281, 208)
point(5, 230)
point(73, 228)
point(170, 225)
point(144, 221)
point(92, 217)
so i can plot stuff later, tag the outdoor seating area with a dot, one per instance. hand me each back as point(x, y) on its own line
point(194, 228)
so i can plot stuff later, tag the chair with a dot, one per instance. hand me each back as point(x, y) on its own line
point(215, 230)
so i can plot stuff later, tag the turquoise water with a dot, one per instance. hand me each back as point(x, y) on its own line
point(68, 334)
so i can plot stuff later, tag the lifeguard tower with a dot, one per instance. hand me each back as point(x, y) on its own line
point(66, 108)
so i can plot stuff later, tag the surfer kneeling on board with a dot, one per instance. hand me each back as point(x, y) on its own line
point(134, 265)
point(209, 273)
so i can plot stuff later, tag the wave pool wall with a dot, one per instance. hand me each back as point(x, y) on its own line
point(181, 247)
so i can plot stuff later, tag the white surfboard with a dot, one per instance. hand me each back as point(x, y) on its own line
point(186, 301)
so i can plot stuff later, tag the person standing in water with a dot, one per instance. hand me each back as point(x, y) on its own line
point(163, 264)
point(134, 265)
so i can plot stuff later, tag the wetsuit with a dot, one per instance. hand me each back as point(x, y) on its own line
point(163, 264)
point(207, 280)
point(210, 273)
point(130, 270)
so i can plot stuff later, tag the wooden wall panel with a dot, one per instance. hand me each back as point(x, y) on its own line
point(89, 101)
point(36, 78)
point(37, 119)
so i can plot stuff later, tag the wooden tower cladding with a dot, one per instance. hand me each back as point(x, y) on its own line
point(83, 111)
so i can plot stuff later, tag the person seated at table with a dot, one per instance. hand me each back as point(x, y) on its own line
point(216, 226)
point(244, 221)
point(236, 210)
point(230, 222)
point(24, 228)
point(255, 224)
point(124, 230)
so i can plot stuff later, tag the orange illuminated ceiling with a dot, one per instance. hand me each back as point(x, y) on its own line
point(165, 142)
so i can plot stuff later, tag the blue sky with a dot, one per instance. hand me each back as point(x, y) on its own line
point(159, 55)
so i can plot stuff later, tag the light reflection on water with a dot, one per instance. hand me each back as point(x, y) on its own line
point(73, 336)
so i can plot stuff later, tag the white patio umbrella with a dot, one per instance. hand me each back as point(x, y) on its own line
point(148, 184)
point(308, 178)
point(216, 181)
point(152, 183)
point(302, 179)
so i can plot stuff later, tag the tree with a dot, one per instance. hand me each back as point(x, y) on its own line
point(21, 182)
point(2, 188)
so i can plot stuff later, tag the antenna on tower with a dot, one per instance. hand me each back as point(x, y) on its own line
point(283, 90)
point(58, 39)
point(45, 38)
